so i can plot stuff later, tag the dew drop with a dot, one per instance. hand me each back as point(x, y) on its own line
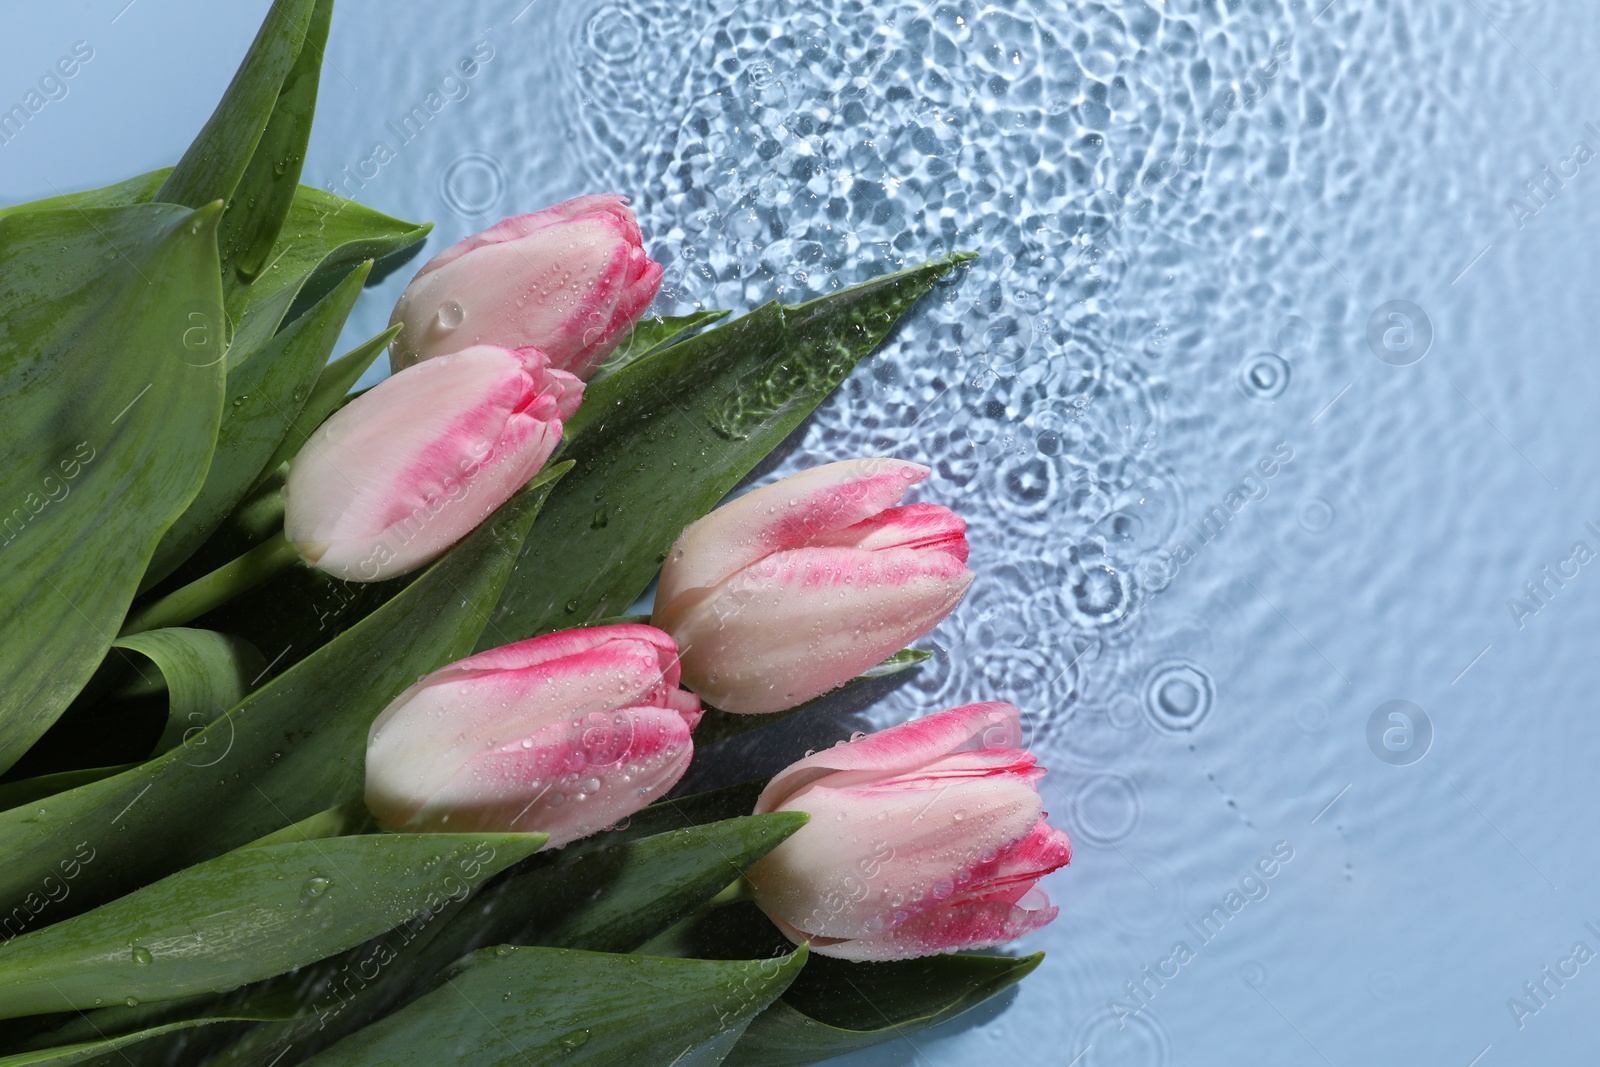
point(451, 315)
point(141, 956)
point(574, 1041)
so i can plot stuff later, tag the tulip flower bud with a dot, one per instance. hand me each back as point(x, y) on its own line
point(569, 280)
point(924, 838)
point(797, 587)
point(408, 468)
point(563, 734)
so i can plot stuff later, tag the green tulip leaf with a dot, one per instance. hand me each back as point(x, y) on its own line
point(160, 1022)
point(837, 1007)
point(111, 370)
point(262, 197)
point(245, 916)
point(324, 237)
point(678, 813)
point(266, 389)
point(511, 1007)
point(220, 154)
point(721, 725)
point(98, 1049)
point(611, 898)
point(250, 152)
point(292, 748)
point(615, 897)
point(659, 443)
point(650, 335)
point(137, 190)
point(26, 790)
point(206, 674)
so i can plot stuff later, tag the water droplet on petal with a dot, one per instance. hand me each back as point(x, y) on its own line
point(451, 315)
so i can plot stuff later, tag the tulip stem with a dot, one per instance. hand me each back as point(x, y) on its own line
point(741, 889)
point(215, 589)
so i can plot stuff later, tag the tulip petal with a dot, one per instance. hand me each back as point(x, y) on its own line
point(979, 924)
point(868, 853)
point(786, 514)
point(926, 527)
point(552, 646)
point(510, 229)
point(427, 734)
point(411, 466)
point(797, 623)
point(903, 748)
point(562, 782)
point(568, 280)
point(1013, 872)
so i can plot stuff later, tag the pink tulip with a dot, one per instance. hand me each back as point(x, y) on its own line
point(411, 466)
point(569, 280)
point(797, 587)
point(924, 838)
point(563, 734)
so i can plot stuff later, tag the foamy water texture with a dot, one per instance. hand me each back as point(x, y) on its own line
point(1270, 403)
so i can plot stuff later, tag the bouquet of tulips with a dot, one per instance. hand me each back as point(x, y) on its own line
point(327, 736)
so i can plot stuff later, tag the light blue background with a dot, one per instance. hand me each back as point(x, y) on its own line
point(1085, 395)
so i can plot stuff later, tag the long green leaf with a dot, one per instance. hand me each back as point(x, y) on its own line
point(517, 1006)
point(245, 916)
point(323, 237)
point(679, 813)
point(609, 899)
point(99, 1048)
point(111, 371)
point(292, 748)
point(615, 898)
point(26, 790)
point(262, 197)
point(650, 335)
point(661, 441)
point(266, 389)
point(219, 156)
point(140, 189)
point(837, 1007)
point(206, 674)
